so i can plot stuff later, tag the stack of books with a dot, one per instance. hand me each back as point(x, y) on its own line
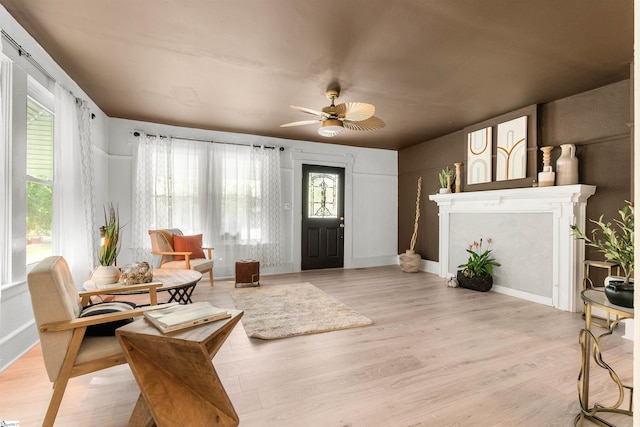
point(185, 316)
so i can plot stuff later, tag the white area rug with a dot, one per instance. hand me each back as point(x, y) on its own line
point(281, 311)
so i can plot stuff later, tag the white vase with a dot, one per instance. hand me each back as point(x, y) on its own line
point(105, 275)
point(567, 166)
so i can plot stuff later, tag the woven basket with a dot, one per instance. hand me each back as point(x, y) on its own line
point(477, 283)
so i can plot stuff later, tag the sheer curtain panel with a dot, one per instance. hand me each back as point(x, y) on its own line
point(6, 275)
point(229, 193)
point(73, 194)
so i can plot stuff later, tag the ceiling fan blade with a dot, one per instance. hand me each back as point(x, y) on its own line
point(372, 123)
point(355, 111)
point(310, 111)
point(301, 123)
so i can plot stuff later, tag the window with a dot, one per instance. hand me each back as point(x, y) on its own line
point(39, 180)
point(323, 195)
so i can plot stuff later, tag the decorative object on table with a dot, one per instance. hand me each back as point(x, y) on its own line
point(445, 177)
point(136, 273)
point(107, 273)
point(458, 177)
point(282, 311)
point(479, 145)
point(615, 241)
point(477, 272)
point(511, 154)
point(178, 316)
point(567, 166)
point(410, 261)
point(547, 177)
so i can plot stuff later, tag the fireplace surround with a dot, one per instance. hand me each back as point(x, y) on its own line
point(540, 259)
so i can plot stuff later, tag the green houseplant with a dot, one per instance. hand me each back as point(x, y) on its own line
point(615, 242)
point(107, 272)
point(445, 176)
point(477, 272)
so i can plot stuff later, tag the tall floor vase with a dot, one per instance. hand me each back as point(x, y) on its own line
point(410, 261)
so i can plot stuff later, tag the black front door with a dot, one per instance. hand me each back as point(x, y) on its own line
point(322, 217)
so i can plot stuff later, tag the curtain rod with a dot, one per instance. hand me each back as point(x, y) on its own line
point(137, 134)
point(27, 55)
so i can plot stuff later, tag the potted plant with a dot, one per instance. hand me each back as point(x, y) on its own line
point(107, 272)
point(615, 242)
point(477, 272)
point(445, 176)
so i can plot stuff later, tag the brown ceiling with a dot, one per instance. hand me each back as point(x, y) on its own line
point(430, 67)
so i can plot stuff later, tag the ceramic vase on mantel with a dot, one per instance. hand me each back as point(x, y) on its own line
point(105, 275)
point(567, 166)
point(547, 177)
point(410, 261)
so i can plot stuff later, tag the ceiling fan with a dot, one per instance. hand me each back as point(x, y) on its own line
point(335, 118)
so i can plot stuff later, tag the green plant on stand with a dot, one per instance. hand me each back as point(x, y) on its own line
point(615, 242)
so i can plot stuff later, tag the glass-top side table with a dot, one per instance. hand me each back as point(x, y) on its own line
point(591, 348)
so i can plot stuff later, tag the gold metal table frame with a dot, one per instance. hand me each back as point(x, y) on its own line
point(590, 344)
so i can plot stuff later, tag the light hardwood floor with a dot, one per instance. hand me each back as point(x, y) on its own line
point(435, 356)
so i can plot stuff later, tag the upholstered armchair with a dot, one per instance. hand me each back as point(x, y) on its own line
point(179, 251)
point(75, 340)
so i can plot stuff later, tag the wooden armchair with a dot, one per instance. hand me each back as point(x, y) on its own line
point(67, 350)
point(185, 252)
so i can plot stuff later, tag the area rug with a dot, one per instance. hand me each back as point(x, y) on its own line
point(281, 311)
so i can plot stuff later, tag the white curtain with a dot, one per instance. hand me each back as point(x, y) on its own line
point(5, 169)
point(74, 231)
point(229, 193)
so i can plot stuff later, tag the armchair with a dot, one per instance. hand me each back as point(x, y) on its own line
point(66, 348)
point(173, 256)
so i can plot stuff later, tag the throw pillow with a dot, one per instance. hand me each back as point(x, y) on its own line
point(107, 329)
point(191, 244)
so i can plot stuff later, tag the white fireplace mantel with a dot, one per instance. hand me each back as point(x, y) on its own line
point(554, 208)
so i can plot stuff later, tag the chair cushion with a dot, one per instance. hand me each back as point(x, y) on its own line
point(200, 265)
point(107, 329)
point(188, 244)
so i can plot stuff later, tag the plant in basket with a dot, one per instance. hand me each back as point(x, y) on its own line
point(615, 242)
point(477, 272)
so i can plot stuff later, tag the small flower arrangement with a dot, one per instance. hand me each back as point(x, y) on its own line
point(479, 263)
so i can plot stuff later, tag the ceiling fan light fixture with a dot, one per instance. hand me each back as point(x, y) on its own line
point(331, 127)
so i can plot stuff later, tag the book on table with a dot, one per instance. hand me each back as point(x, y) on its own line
point(185, 316)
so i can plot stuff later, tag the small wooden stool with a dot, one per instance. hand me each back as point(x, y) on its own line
point(247, 272)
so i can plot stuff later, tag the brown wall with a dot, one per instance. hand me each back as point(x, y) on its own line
point(595, 121)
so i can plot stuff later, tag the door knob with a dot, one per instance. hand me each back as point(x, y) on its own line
point(341, 225)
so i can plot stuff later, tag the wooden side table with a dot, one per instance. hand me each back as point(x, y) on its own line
point(178, 383)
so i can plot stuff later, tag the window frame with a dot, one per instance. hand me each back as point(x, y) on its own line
point(38, 94)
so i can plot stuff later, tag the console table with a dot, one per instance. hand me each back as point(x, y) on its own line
point(591, 348)
point(178, 383)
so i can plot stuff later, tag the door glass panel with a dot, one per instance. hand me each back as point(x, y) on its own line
point(323, 195)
